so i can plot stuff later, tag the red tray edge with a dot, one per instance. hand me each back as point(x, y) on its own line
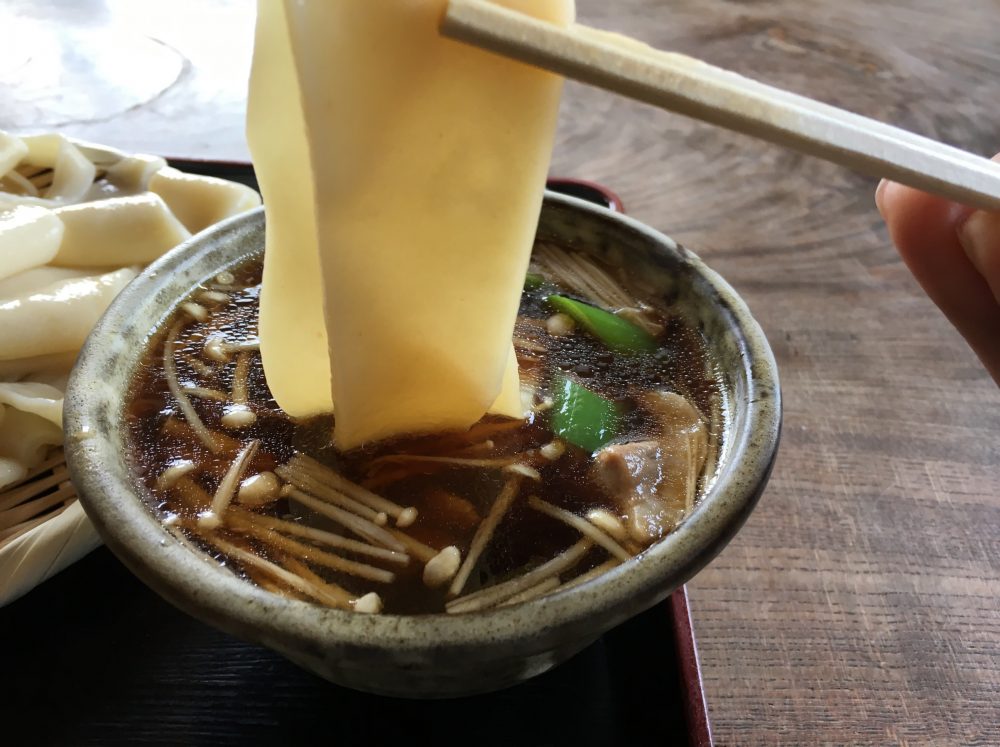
point(695, 704)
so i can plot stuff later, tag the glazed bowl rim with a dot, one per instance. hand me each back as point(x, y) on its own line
point(191, 580)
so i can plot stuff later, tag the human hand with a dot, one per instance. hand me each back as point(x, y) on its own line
point(954, 253)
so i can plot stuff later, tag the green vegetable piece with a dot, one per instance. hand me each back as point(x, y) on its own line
point(620, 335)
point(582, 417)
point(533, 281)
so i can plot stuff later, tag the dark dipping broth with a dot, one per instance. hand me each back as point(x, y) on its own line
point(524, 510)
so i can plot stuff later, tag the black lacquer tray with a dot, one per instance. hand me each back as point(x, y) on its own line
point(93, 657)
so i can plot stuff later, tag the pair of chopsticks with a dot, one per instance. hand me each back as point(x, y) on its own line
point(688, 86)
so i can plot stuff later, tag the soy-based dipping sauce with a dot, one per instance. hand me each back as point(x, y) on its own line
point(622, 431)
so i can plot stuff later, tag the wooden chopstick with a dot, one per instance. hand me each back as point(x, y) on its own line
point(689, 86)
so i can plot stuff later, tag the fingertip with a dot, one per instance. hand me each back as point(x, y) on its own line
point(897, 203)
point(925, 229)
point(879, 196)
point(917, 215)
point(918, 222)
point(891, 198)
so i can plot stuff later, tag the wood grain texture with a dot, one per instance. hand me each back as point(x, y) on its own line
point(861, 602)
point(687, 85)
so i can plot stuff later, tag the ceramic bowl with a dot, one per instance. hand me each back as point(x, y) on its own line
point(432, 655)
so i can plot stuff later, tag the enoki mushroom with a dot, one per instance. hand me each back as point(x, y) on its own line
point(312, 554)
point(226, 491)
point(404, 515)
point(312, 590)
point(352, 522)
point(170, 373)
point(497, 593)
point(583, 526)
point(320, 536)
point(485, 533)
point(294, 475)
point(582, 275)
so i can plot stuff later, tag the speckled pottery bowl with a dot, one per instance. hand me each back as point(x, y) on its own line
point(432, 655)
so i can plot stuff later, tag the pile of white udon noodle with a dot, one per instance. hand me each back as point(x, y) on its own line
point(77, 223)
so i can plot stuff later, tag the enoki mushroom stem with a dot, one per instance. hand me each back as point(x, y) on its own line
point(318, 535)
point(593, 573)
point(354, 523)
point(297, 566)
point(230, 483)
point(293, 474)
point(241, 377)
point(583, 526)
point(484, 533)
point(539, 590)
point(497, 593)
point(283, 575)
point(313, 554)
point(170, 373)
point(580, 274)
point(414, 547)
point(353, 490)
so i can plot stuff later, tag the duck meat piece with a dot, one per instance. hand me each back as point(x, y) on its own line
point(653, 482)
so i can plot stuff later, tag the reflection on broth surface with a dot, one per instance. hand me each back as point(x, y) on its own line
point(621, 433)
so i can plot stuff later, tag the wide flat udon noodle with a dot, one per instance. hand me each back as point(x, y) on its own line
point(29, 237)
point(30, 426)
point(292, 326)
point(12, 151)
point(33, 280)
point(75, 166)
point(86, 208)
point(38, 368)
point(30, 423)
point(134, 229)
point(35, 397)
point(47, 311)
point(58, 318)
point(201, 201)
point(429, 166)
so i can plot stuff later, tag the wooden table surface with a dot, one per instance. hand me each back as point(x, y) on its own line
point(861, 602)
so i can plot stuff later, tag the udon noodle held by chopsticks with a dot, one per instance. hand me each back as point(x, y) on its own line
point(427, 161)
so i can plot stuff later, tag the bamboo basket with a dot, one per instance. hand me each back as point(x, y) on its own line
point(43, 528)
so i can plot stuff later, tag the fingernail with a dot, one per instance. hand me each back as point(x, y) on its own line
point(879, 192)
point(979, 236)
